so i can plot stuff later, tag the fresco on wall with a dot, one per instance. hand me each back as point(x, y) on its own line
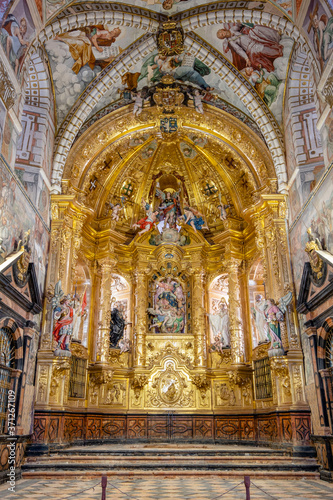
point(294, 200)
point(171, 7)
point(39, 5)
point(318, 24)
point(16, 33)
point(78, 56)
point(290, 149)
point(152, 68)
point(3, 113)
point(3, 8)
point(259, 53)
point(327, 139)
point(319, 216)
point(286, 6)
point(16, 217)
point(8, 149)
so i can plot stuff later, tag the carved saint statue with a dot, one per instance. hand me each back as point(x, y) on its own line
point(273, 317)
point(219, 323)
point(63, 315)
point(68, 311)
point(148, 222)
point(117, 325)
point(194, 219)
point(274, 314)
point(258, 312)
point(169, 208)
point(79, 313)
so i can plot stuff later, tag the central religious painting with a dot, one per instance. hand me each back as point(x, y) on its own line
point(169, 304)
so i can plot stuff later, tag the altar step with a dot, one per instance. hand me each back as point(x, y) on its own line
point(222, 461)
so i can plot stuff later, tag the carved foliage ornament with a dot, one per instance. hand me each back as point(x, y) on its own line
point(318, 266)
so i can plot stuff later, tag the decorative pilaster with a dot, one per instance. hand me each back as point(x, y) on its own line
point(279, 272)
point(103, 342)
point(236, 336)
point(281, 386)
point(140, 322)
point(78, 222)
point(200, 354)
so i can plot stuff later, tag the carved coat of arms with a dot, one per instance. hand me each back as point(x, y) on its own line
point(170, 39)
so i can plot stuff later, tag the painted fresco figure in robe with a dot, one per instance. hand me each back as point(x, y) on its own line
point(86, 44)
point(219, 323)
point(258, 313)
point(117, 325)
point(322, 34)
point(12, 38)
point(185, 67)
point(251, 46)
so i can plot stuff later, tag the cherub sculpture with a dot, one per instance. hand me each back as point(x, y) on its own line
point(116, 209)
point(194, 218)
point(148, 222)
point(222, 209)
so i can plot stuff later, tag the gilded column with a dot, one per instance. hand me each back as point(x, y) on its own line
point(78, 222)
point(198, 318)
point(140, 321)
point(106, 266)
point(235, 315)
point(280, 267)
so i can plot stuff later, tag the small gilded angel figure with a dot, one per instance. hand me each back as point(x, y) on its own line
point(116, 209)
point(194, 218)
point(222, 209)
point(197, 99)
point(148, 222)
point(138, 103)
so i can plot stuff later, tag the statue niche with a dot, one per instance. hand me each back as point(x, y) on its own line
point(169, 303)
point(117, 325)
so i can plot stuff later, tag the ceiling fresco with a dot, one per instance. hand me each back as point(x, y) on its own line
point(102, 56)
point(259, 53)
point(78, 56)
point(173, 7)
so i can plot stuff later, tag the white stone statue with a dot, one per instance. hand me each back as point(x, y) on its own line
point(258, 312)
point(219, 322)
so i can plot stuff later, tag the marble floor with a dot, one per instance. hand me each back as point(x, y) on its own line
point(168, 489)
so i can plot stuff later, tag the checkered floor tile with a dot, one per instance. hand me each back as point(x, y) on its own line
point(168, 489)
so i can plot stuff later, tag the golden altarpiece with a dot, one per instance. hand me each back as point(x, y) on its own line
point(221, 172)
